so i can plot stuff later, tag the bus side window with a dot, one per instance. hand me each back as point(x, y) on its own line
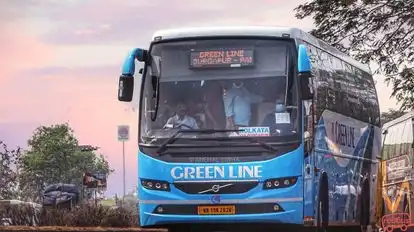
point(412, 144)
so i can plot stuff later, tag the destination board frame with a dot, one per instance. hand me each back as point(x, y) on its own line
point(222, 58)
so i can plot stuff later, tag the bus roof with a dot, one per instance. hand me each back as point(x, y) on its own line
point(407, 116)
point(295, 33)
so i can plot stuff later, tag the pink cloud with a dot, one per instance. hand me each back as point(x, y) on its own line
point(134, 22)
point(20, 50)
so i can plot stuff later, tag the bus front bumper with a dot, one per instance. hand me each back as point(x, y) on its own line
point(286, 211)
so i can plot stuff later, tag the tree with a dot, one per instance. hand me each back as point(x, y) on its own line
point(390, 115)
point(54, 156)
point(9, 160)
point(381, 31)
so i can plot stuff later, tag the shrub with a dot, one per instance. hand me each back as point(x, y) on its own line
point(18, 215)
point(81, 215)
point(121, 217)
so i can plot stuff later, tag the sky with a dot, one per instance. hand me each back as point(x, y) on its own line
point(60, 62)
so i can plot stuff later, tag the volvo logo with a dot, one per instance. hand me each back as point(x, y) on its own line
point(216, 199)
point(215, 188)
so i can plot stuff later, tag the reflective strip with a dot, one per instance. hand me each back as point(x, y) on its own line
point(224, 201)
point(347, 156)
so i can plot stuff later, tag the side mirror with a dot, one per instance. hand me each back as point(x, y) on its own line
point(305, 76)
point(128, 69)
point(126, 80)
point(125, 88)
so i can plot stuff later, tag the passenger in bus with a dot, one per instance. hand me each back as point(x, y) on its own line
point(195, 110)
point(192, 108)
point(213, 105)
point(237, 105)
point(181, 119)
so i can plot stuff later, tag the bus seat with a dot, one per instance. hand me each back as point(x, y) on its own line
point(263, 109)
point(201, 118)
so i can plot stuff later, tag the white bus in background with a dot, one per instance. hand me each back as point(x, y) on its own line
point(397, 158)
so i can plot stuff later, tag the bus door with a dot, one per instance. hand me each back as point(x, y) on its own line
point(309, 164)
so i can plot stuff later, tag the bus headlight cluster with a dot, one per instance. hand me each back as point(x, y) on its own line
point(279, 182)
point(155, 185)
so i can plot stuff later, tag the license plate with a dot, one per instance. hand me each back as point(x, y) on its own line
point(216, 210)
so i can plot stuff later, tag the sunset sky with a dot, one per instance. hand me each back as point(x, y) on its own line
point(60, 62)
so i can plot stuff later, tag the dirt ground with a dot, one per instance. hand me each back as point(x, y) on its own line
point(72, 229)
point(137, 229)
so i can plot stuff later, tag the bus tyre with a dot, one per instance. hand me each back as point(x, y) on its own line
point(323, 205)
point(365, 209)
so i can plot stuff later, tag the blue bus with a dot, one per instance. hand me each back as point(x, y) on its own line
point(244, 126)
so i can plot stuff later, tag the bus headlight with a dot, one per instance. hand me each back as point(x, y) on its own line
point(155, 185)
point(277, 183)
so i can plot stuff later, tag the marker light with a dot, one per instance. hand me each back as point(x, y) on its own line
point(277, 183)
point(158, 185)
point(268, 184)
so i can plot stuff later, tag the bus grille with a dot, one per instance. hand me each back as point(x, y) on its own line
point(216, 187)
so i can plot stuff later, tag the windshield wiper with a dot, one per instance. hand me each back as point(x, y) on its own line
point(252, 140)
point(262, 144)
point(171, 140)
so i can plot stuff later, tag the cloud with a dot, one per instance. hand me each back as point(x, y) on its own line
point(19, 48)
point(120, 22)
point(17, 10)
point(11, 10)
point(17, 133)
point(53, 89)
point(53, 72)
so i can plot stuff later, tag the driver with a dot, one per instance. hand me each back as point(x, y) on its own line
point(181, 119)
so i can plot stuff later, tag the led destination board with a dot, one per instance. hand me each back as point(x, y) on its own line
point(221, 58)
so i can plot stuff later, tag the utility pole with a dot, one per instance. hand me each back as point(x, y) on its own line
point(123, 135)
point(123, 168)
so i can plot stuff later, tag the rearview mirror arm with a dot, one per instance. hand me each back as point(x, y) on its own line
point(126, 80)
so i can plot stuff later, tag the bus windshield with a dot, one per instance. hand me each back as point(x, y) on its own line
point(242, 85)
